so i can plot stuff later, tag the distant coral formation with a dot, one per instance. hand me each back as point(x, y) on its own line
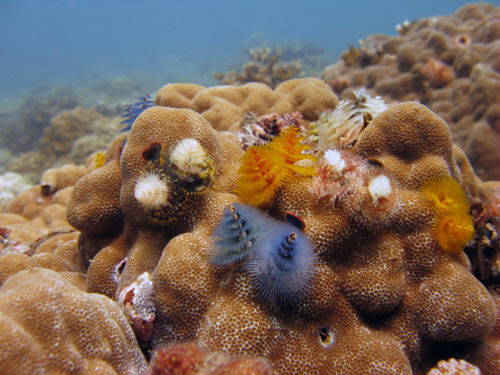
point(449, 63)
point(265, 67)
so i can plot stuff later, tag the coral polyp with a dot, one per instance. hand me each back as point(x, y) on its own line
point(263, 171)
point(337, 173)
point(151, 190)
point(240, 227)
point(374, 202)
point(446, 194)
point(283, 264)
point(453, 230)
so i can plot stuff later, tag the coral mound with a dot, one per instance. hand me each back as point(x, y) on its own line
point(381, 296)
point(225, 106)
point(48, 325)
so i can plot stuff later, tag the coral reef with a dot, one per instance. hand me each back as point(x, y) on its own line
point(265, 67)
point(449, 63)
point(376, 278)
point(71, 137)
point(22, 131)
point(373, 248)
point(33, 217)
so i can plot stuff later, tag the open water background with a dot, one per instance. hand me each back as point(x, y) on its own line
point(87, 41)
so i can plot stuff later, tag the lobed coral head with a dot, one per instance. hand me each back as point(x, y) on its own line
point(283, 264)
point(263, 171)
point(374, 202)
point(240, 227)
point(337, 173)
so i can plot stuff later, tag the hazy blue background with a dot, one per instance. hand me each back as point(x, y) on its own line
point(80, 42)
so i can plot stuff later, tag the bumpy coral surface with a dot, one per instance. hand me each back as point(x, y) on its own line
point(47, 325)
point(381, 295)
point(450, 63)
point(118, 217)
point(225, 106)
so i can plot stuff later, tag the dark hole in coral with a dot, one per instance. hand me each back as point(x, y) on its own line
point(375, 163)
point(47, 189)
point(326, 336)
point(323, 333)
point(462, 40)
point(153, 152)
point(121, 267)
point(295, 220)
point(488, 252)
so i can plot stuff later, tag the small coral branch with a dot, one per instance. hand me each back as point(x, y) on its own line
point(265, 67)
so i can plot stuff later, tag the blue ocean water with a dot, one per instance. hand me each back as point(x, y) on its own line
point(80, 42)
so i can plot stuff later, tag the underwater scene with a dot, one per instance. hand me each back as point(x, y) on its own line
point(249, 187)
